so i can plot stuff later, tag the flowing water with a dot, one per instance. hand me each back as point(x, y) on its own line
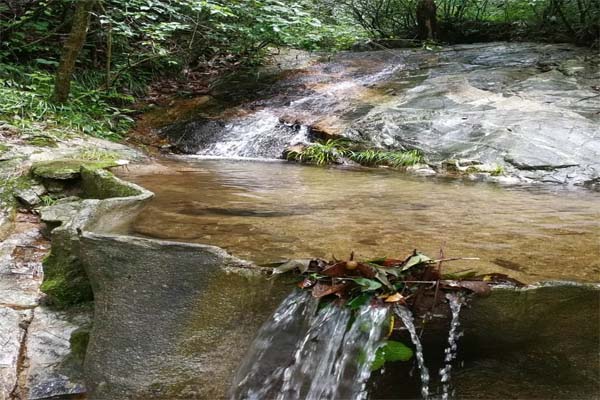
point(455, 303)
point(496, 103)
point(407, 319)
point(268, 211)
point(323, 358)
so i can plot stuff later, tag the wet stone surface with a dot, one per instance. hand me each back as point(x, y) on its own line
point(530, 108)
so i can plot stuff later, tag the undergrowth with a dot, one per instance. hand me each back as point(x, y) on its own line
point(25, 93)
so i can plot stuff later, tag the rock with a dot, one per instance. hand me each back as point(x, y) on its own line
point(179, 311)
point(12, 331)
point(52, 368)
point(498, 129)
point(66, 169)
point(30, 196)
point(297, 148)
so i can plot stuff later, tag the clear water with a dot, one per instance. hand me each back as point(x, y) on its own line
point(534, 344)
point(268, 211)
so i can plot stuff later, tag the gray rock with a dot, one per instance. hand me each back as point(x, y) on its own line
point(448, 118)
point(161, 318)
point(30, 196)
point(12, 331)
point(52, 369)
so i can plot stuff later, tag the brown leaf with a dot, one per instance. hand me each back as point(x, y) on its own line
point(391, 262)
point(336, 270)
point(395, 298)
point(323, 289)
point(306, 283)
point(366, 271)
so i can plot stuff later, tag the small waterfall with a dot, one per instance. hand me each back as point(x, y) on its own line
point(455, 302)
point(260, 135)
point(407, 318)
point(261, 371)
point(327, 359)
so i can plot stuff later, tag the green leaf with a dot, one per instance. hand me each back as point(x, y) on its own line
point(367, 284)
point(391, 351)
point(359, 301)
point(416, 259)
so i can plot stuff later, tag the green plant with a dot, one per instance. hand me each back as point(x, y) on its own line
point(497, 171)
point(395, 159)
point(321, 153)
point(47, 200)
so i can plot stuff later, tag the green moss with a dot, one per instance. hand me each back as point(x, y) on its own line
point(79, 342)
point(99, 184)
point(67, 169)
point(42, 141)
point(65, 281)
point(98, 155)
point(4, 148)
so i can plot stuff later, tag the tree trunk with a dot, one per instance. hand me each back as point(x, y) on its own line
point(71, 50)
point(426, 19)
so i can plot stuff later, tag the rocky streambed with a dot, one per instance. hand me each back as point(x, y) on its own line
point(528, 111)
point(172, 314)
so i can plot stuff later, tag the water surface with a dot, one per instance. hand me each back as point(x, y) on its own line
point(268, 211)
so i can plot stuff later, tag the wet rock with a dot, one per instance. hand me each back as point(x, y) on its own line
point(448, 118)
point(297, 148)
point(66, 169)
point(190, 137)
point(30, 196)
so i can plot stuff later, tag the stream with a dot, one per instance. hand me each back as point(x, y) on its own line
point(529, 109)
point(269, 211)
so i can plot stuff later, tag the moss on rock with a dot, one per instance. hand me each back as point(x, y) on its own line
point(67, 169)
point(65, 281)
point(99, 184)
point(79, 342)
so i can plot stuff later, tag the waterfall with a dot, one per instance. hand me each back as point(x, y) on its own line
point(325, 359)
point(260, 135)
point(260, 373)
point(455, 302)
point(407, 318)
point(325, 353)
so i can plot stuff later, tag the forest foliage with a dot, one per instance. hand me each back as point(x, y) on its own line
point(130, 43)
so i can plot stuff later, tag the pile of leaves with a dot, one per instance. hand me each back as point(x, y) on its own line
point(416, 281)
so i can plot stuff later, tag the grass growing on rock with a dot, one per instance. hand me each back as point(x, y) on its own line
point(334, 151)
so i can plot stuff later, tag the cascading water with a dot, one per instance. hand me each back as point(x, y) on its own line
point(305, 353)
point(455, 302)
point(407, 318)
point(260, 135)
point(328, 360)
point(263, 135)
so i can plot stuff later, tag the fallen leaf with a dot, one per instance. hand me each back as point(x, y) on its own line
point(336, 270)
point(395, 298)
point(415, 259)
point(323, 289)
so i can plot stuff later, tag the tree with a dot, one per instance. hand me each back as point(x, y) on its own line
point(426, 19)
point(71, 50)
